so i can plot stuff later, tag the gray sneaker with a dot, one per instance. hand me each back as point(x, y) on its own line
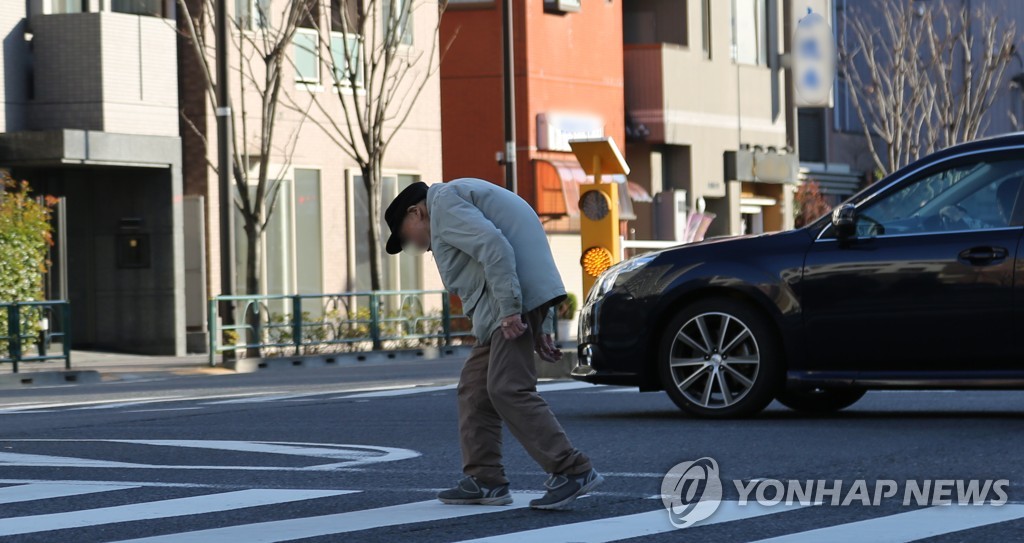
point(564, 489)
point(469, 491)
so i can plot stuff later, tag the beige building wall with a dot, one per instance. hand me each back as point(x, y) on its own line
point(706, 105)
point(415, 150)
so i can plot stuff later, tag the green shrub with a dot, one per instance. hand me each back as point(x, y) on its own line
point(25, 238)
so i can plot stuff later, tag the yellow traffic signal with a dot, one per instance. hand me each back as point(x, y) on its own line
point(599, 206)
point(599, 230)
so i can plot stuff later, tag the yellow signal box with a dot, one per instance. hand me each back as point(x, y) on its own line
point(599, 207)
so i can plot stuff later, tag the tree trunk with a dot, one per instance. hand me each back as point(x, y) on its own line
point(372, 178)
point(252, 284)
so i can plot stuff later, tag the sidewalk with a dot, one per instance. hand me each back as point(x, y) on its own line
point(92, 366)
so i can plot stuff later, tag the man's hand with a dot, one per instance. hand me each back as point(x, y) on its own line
point(545, 347)
point(513, 326)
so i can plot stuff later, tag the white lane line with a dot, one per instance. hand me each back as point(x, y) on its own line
point(339, 523)
point(195, 505)
point(403, 391)
point(41, 460)
point(103, 404)
point(629, 526)
point(113, 483)
point(566, 385)
point(46, 491)
point(910, 526)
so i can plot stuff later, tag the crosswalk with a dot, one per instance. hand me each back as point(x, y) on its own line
point(131, 513)
point(174, 402)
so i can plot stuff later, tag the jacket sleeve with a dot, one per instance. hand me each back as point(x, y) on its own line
point(465, 228)
point(548, 326)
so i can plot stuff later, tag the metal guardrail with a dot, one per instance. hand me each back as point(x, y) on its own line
point(23, 329)
point(322, 323)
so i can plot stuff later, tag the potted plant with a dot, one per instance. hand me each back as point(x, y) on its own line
point(566, 312)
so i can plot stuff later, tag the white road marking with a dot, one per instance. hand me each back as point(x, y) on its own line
point(404, 391)
point(629, 526)
point(339, 523)
point(40, 460)
point(350, 455)
point(566, 385)
point(910, 526)
point(46, 491)
point(195, 505)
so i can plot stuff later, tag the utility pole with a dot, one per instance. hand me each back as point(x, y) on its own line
point(227, 230)
point(510, 96)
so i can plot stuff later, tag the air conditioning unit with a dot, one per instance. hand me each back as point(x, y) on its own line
point(670, 215)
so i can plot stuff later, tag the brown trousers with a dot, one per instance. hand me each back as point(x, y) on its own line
point(499, 383)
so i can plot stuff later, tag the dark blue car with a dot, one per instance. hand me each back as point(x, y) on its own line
point(910, 284)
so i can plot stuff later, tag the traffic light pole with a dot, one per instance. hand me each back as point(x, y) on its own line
point(227, 234)
point(510, 95)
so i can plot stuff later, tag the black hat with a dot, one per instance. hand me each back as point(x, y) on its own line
point(410, 196)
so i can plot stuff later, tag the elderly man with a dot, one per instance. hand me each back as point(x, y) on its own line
point(491, 251)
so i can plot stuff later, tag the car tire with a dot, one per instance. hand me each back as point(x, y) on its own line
point(720, 358)
point(820, 400)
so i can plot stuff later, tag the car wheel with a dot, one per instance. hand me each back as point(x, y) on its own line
point(720, 358)
point(820, 400)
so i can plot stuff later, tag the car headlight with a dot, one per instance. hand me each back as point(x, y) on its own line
point(607, 279)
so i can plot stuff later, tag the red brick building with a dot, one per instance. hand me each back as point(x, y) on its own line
point(568, 84)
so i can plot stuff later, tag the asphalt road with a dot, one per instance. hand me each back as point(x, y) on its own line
point(357, 454)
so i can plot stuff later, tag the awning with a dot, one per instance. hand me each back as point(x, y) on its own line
point(558, 189)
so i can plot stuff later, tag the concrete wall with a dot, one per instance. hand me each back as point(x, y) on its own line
point(14, 67)
point(104, 71)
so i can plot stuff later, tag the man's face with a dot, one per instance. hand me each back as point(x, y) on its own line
point(415, 229)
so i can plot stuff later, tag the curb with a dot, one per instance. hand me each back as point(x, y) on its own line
point(330, 360)
point(49, 378)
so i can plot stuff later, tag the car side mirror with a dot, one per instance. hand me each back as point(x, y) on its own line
point(844, 221)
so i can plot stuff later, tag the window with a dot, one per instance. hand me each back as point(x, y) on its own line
point(397, 15)
point(292, 245)
point(971, 196)
point(345, 52)
point(406, 275)
point(67, 6)
point(154, 8)
point(705, 28)
point(749, 32)
point(306, 45)
point(252, 14)
point(308, 235)
point(655, 21)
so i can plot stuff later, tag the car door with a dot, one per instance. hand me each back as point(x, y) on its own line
point(927, 281)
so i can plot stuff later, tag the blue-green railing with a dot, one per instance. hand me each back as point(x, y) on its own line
point(319, 323)
point(23, 331)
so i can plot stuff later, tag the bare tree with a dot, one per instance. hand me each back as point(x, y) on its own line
point(259, 52)
point(379, 73)
point(922, 76)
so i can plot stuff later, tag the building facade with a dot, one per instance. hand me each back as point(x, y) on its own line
point(568, 85)
point(89, 96)
point(317, 235)
point(704, 85)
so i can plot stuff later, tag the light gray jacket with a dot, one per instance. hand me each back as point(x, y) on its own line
point(492, 252)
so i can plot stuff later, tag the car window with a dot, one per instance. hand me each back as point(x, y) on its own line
point(973, 196)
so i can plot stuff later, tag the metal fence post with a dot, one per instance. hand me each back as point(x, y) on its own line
point(446, 318)
point(14, 334)
point(374, 321)
point(211, 325)
point(297, 323)
point(65, 317)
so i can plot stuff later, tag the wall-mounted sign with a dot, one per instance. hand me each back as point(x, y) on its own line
point(555, 130)
point(813, 53)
